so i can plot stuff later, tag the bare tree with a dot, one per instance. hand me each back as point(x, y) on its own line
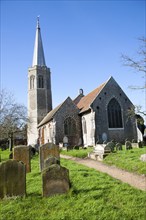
point(139, 65)
point(13, 116)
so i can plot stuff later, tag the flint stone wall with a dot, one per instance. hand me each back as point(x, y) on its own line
point(12, 179)
point(55, 180)
point(22, 153)
point(46, 151)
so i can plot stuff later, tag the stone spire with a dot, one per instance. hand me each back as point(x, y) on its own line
point(38, 55)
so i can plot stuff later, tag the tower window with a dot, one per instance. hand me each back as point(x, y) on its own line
point(69, 126)
point(40, 82)
point(114, 114)
point(32, 78)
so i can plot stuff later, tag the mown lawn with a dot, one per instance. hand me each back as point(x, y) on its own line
point(93, 196)
point(81, 153)
point(128, 160)
point(125, 159)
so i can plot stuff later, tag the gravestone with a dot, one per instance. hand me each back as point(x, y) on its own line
point(128, 145)
point(65, 141)
point(111, 145)
point(118, 146)
point(50, 161)
point(22, 153)
point(47, 150)
point(12, 179)
point(55, 180)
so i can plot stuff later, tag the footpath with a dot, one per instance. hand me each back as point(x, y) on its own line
point(135, 180)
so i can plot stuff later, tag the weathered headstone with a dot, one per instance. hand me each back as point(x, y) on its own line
point(128, 145)
point(55, 180)
point(12, 179)
point(111, 145)
point(22, 153)
point(47, 150)
point(118, 146)
point(65, 141)
point(50, 161)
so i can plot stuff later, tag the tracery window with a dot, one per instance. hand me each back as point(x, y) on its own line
point(84, 126)
point(114, 114)
point(69, 126)
point(32, 78)
point(40, 82)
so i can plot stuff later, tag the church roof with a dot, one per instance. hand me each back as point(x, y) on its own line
point(50, 115)
point(38, 55)
point(86, 101)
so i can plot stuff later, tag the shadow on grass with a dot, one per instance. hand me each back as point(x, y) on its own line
point(34, 194)
point(102, 190)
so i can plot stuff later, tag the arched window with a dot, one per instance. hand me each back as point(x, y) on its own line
point(84, 126)
point(114, 114)
point(32, 78)
point(69, 126)
point(40, 82)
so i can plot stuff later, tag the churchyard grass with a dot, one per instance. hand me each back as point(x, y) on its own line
point(128, 160)
point(93, 195)
point(125, 159)
point(81, 153)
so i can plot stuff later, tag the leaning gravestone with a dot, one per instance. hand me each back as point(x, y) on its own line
point(47, 150)
point(55, 180)
point(22, 153)
point(12, 179)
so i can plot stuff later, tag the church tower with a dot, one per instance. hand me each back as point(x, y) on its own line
point(39, 89)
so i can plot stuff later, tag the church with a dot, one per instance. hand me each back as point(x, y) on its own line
point(101, 115)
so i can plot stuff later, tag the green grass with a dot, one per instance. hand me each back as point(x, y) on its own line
point(128, 160)
point(125, 159)
point(81, 153)
point(93, 196)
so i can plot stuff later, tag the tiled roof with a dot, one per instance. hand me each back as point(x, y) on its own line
point(86, 101)
point(78, 98)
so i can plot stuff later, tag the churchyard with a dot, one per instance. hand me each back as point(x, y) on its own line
point(128, 160)
point(92, 195)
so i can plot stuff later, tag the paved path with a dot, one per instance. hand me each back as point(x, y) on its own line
point(135, 180)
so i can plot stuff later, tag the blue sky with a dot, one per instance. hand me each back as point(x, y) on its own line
point(83, 42)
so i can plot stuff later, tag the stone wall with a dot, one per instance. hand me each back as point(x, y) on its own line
point(112, 90)
point(68, 109)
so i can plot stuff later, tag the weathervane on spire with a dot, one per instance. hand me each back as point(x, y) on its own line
point(38, 21)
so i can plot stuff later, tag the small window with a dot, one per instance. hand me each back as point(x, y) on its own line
point(114, 114)
point(40, 82)
point(32, 78)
